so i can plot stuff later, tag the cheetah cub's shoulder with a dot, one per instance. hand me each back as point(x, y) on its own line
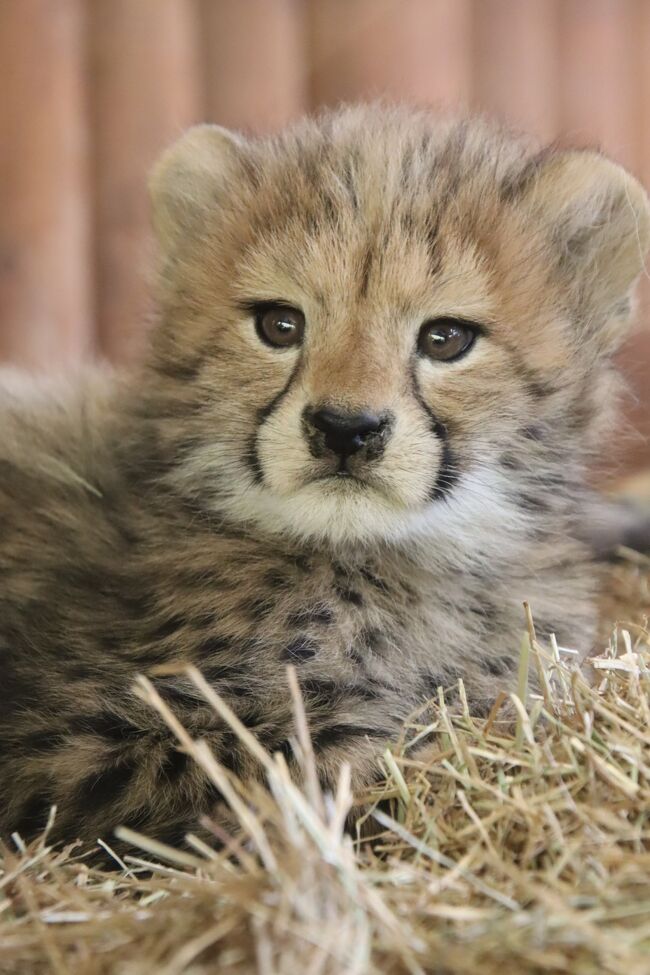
point(359, 440)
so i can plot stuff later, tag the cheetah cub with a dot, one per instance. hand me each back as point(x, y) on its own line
point(359, 440)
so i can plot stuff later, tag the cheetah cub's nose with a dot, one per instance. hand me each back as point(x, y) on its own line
point(345, 433)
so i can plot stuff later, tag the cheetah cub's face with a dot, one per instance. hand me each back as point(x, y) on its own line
point(378, 317)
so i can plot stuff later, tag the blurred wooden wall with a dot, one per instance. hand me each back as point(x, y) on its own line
point(93, 89)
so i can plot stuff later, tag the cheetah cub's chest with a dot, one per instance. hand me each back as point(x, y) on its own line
point(380, 630)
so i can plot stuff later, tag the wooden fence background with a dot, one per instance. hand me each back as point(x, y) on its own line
point(93, 89)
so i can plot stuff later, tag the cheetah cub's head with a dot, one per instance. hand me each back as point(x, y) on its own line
point(379, 323)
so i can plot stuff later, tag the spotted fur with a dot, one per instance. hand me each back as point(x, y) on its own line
point(176, 512)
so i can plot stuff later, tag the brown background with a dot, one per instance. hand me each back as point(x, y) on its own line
point(93, 89)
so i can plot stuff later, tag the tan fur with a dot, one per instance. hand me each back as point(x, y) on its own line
point(176, 512)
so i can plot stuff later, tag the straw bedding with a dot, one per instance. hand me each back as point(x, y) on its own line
point(520, 845)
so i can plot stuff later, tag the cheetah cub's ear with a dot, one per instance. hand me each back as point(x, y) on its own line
point(187, 180)
point(598, 221)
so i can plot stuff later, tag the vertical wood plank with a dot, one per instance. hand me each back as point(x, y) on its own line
point(516, 52)
point(642, 120)
point(600, 89)
point(420, 51)
point(144, 75)
point(44, 298)
point(254, 62)
point(636, 356)
point(601, 105)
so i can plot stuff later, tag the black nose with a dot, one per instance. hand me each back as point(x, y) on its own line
point(346, 433)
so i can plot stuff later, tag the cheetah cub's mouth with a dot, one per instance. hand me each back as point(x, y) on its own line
point(347, 442)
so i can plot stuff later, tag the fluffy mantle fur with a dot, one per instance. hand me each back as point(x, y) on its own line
point(175, 513)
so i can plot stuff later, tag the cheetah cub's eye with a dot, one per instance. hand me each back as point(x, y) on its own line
point(279, 325)
point(446, 339)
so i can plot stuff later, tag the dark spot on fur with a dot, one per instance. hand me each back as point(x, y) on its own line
point(431, 683)
point(319, 615)
point(498, 666)
point(581, 414)
point(349, 595)
point(205, 620)
point(44, 740)
point(348, 180)
point(337, 734)
point(201, 578)
point(276, 580)
point(104, 725)
point(537, 387)
point(136, 606)
point(212, 796)
point(300, 649)
point(33, 816)
point(223, 530)
point(110, 643)
point(18, 689)
point(178, 370)
point(373, 579)
point(143, 657)
point(174, 765)
point(329, 691)
point(365, 268)
point(79, 672)
point(226, 672)
point(532, 502)
point(303, 563)
point(230, 681)
point(254, 717)
point(213, 645)
point(168, 627)
point(229, 753)
point(544, 628)
point(355, 654)
point(373, 639)
point(175, 833)
point(406, 166)
point(329, 207)
point(510, 461)
point(410, 593)
point(258, 609)
point(251, 170)
point(324, 690)
point(431, 236)
point(516, 184)
point(407, 223)
point(105, 786)
point(484, 609)
point(176, 689)
point(480, 706)
point(534, 432)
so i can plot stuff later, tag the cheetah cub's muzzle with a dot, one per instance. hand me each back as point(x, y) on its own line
point(347, 441)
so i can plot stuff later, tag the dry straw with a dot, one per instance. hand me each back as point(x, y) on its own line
point(512, 845)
